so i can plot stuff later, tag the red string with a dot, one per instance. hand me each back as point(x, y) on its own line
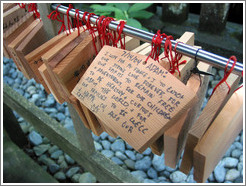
point(68, 18)
point(156, 46)
point(175, 61)
point(108, 35)
point(226, 74)
point(77, 23)
point(91, 29)
point(100, 29)
point(32, 7)
point(55, 15)
point(120, 28)
point(22, 5)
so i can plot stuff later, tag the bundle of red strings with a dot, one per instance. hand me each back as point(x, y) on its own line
point(32, 7)
point(55, 15)
point(106, 36)
point(168, 51)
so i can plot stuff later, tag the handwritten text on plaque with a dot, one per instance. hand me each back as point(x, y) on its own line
point(138, 101)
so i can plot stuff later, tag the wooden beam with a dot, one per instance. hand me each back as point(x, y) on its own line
point(219, 136)
point(83, 134)
point(140, 48)
point(76, 106)
point(12, 127)
point(209, 113)
point(14, 159)
point(58, 135)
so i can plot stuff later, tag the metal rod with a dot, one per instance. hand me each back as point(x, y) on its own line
point(190, 51)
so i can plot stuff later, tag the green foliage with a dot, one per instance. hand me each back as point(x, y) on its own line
point(125, 11)
point(139, 6)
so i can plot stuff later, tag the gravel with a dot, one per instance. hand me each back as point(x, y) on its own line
point(146, 167)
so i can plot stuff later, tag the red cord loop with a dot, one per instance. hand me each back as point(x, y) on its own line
point(226, 74)
point(156, 48)
point(68, 19)
point(32, 7)
point(175, 61)
point(120, 28)
point(55, 15)
point(77, 22)
point(91, 29)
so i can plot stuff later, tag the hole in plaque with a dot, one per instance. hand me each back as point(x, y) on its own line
point(144, 62)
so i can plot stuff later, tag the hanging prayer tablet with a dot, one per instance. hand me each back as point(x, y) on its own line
point(138, 101)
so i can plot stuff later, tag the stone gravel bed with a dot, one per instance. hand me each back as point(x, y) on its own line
point(147, 167)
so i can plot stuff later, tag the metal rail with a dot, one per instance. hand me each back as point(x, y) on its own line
point(190, 51)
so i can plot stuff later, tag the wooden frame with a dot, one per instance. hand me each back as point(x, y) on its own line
point(81, 151)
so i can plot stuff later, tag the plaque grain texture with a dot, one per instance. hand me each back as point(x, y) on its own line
point(16, 42)
point(215, 103)
point(218, 138)
point(175, 137)
point(34, 39)
point(136, 101)
point(10, 34)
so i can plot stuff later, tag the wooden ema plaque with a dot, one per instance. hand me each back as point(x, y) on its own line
point(17, 41)
point(209, 113)
point(57, 53)
point(15, 31)
point(219, 136)
point(175, 136)
point(7, 6)
point(12, 16)
point(33, 40)
point(35, 61)
point(138, 101)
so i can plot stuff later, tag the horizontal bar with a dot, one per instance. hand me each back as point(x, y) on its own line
point(190, 51)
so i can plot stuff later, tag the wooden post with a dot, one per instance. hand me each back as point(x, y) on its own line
point(175, 12)
point(213, 17)
point(12, 127)
point(49, 26)
point(83, 134)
